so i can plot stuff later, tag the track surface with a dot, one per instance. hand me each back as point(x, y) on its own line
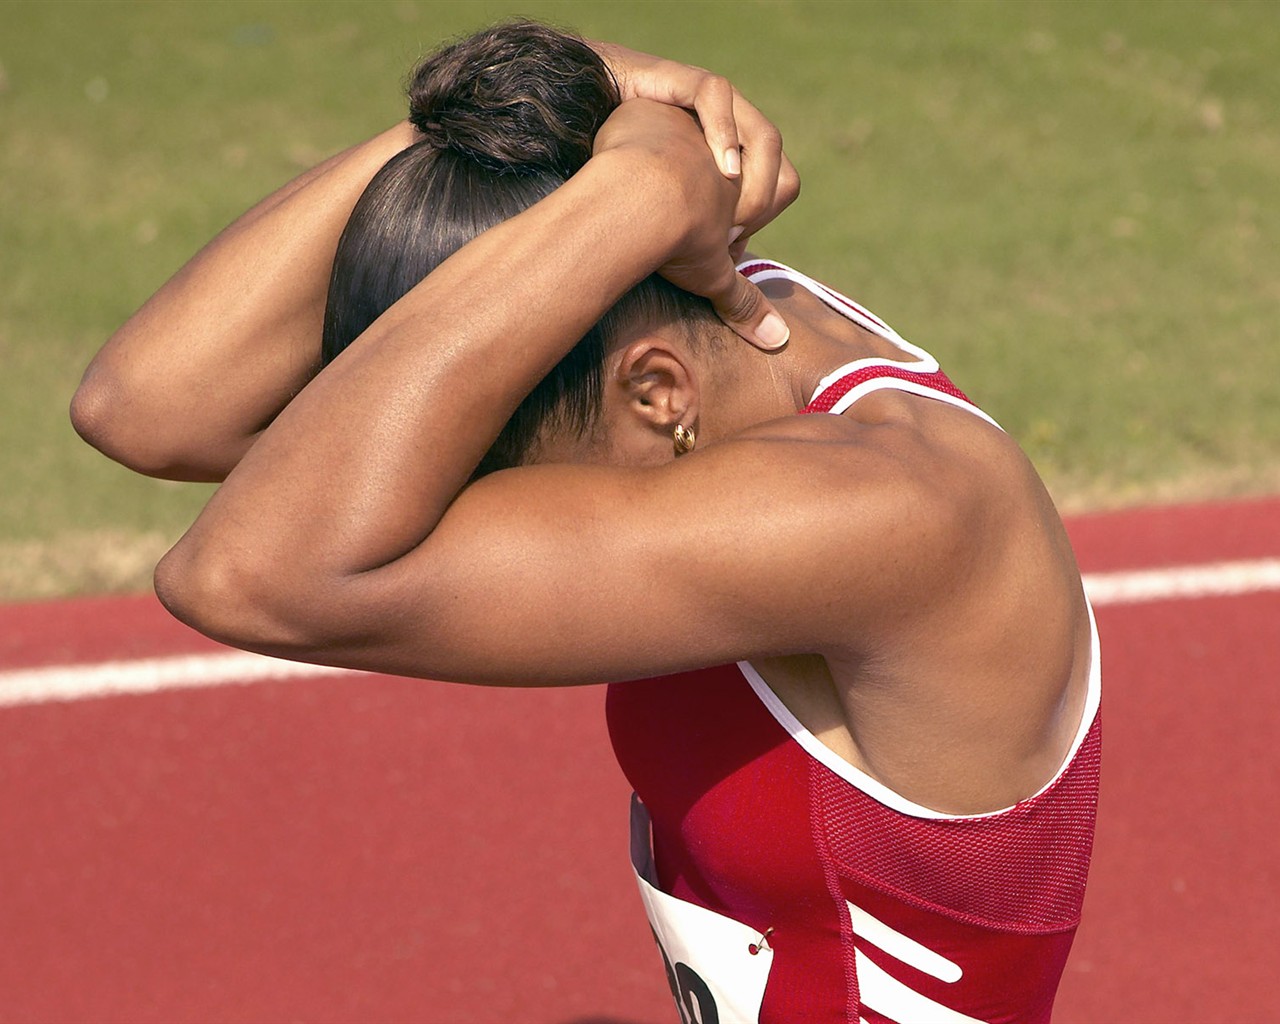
point(377, 849)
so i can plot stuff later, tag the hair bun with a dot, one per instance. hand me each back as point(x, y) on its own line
point(516, 96)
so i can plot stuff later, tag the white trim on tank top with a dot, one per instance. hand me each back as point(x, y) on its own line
point(922, 363)
point(881, 793)
point(859, 314)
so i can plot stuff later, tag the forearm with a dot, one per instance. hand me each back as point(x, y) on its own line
point(376, 448)
point(184, 387)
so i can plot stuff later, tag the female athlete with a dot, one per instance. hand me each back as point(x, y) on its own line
point(855, 674)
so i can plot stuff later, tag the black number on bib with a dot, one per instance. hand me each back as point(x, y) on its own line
point(693, 998)
point(694, 990)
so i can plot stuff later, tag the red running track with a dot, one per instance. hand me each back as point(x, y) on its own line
point(378, 849)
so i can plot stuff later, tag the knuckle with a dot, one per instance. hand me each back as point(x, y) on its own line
point(789, 188)
point(717, 84)
point(726, 125)
point(743, 302)
point(768, 136)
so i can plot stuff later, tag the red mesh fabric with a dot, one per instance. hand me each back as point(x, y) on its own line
point(1023, 870)
point(937, 381)
point(747, 824)
point(757, 267)
point(823, 402)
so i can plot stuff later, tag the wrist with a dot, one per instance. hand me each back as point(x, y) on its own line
point(646, 205)
point(647, 202)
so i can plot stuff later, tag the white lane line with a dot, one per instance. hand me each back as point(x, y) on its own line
point(1220, 579)
point(150, 675)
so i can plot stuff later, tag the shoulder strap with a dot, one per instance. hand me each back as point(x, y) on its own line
point(829, 394)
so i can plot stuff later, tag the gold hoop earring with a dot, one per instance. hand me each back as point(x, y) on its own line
point(684, 439)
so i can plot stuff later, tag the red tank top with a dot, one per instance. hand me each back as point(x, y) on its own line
point(785, 885)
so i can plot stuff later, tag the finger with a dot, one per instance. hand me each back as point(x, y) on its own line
point(762, 163)
point(785, 192)
point(667, 81)
point(711, 97)
point(788, 190)
point(744, 308)
point(714, 103)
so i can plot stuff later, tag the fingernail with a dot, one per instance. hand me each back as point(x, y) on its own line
point(735, 233)
point(773, 332)
point(732, 163)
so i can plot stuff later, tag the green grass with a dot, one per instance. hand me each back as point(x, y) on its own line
point(1074, 204)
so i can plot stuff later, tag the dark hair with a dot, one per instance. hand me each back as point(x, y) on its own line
point(507, 116)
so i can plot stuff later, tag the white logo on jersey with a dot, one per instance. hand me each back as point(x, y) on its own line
point(884, 993)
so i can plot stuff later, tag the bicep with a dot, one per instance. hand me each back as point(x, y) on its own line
point(565, 575)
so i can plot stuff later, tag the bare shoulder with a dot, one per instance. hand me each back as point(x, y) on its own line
point(896, 504)
point(962, 676)
point(936, 454)
point(810, 534)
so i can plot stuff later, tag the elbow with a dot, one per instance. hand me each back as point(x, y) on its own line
point(94, 413)
point(230, 598)
point(103, 414)
point(114, 418)
point(203, 593)
point(216, 595)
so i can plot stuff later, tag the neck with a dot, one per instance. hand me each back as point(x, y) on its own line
point(761, 386)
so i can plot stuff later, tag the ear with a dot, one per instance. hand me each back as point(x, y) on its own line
point(656, 389)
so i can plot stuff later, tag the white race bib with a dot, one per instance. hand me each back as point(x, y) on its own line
point(714, 975)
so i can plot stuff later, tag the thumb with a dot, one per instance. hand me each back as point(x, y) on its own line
point(751, 316)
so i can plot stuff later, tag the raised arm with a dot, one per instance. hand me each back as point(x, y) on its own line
point(347, 535)
point(185, 386)
point(189, 382)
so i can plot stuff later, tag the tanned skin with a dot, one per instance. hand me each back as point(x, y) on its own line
point(897, 573)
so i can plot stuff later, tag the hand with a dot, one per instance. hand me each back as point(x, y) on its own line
point(744, 142)
point(664, 148)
